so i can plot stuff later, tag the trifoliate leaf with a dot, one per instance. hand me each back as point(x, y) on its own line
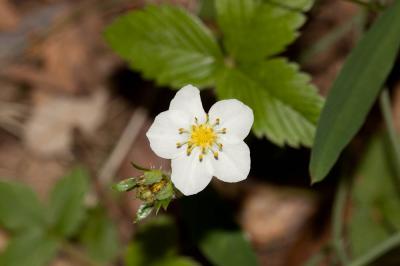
point(66, 204)
point(126, 185)
point(19, 207)
point(99, 236)
point(167, 44)
point(286, 106)
point(173, 47)
point(143, 212)
point(253, 29)
point(33, 248)
point(152, 177)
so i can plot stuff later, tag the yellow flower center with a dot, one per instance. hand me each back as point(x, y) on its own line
point(203, 136)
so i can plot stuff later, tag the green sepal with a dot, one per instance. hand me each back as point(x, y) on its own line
point(167, 192)
point(153, 176)
point(126, 185)
point(143, 212)
point(162, 204)
point(139, 167)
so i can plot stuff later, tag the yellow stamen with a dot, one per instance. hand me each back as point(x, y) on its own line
point(216, 155)
point(182, 130)
point(220, 146)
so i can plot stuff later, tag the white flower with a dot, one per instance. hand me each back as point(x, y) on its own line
point(202, 145)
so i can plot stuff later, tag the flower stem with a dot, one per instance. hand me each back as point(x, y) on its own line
point(384, 104)
point(377, 251)
point(337, 220)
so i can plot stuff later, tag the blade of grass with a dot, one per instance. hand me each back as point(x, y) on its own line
point(378, 251)
point(384, 104)
point(355, 91)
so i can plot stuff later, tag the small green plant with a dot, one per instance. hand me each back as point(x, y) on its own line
point(39, 231)
point(174, 48)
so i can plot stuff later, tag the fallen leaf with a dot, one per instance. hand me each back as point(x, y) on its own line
point(9, 17)
point(49, 131)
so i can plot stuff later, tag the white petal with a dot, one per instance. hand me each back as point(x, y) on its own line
point(233, 164)
point(235, 116)
point(188, 100)
point(164, 133)
point(189, 175)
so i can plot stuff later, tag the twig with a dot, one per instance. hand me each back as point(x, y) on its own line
point(123, 146)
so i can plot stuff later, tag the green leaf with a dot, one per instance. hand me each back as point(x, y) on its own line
point(255, 29)
point(32, 248)
point(167, 44)
point(209, 223)
point(366, 231)
point(228, 248)
point(355, 91)
point(152, 177)
point(19, 207)
point(286, 106)
point(143, 212)
point(134, 255)
point(100, 237)
point(126, 185)
point(66, 210)
point(293, 5)
point(154, 241)
point(376, 199)
point(207, 10)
